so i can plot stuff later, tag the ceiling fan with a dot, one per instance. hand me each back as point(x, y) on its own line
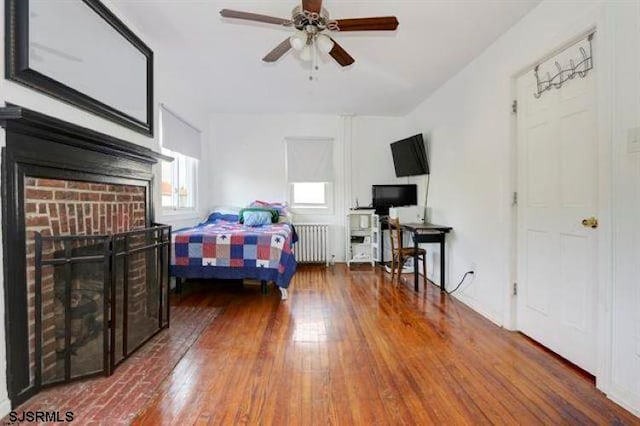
point(310, 21)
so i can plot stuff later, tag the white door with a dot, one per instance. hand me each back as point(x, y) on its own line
point(557, 190)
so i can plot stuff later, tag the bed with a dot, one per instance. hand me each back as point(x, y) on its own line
point(222, 248)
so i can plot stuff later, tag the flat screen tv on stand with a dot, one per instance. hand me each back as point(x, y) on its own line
point(385, 196)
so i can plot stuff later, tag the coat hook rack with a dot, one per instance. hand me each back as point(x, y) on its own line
point(556, 81)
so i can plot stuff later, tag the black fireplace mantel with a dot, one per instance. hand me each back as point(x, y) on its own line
point(40, 146)
point(23, 120)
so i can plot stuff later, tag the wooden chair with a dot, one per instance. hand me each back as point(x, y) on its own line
point(400, 254)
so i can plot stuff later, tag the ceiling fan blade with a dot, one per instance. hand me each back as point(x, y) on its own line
point(278, 52)
point(312, 5)
point(382, 23)
point(247, 16)
point(340, 55)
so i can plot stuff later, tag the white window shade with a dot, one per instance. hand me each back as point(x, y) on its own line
point(309, 160)
point(178, 135)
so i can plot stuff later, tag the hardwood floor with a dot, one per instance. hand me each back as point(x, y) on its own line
point(353, 348)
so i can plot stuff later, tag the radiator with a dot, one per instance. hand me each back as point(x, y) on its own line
point(313, 243)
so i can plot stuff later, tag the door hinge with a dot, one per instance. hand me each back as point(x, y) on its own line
point(515, 289)
point(514, 106)
point(514, 200)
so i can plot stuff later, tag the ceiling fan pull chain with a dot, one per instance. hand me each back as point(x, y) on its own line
point(316, 59)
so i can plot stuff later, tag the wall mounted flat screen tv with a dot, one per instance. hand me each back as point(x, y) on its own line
point(385, 196)
point(410, 157)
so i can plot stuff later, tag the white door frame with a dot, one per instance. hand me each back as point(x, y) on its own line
point(603, 61)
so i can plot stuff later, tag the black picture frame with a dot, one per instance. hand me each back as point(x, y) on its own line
point(17, 66)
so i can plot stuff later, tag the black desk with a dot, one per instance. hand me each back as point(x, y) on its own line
point(421, 233)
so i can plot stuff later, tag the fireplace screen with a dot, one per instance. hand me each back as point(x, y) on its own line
point(97, 300)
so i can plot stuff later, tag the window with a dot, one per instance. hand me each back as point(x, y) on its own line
point(309, 193)
point(179, 181)
point(310, 174)
point(181, 141)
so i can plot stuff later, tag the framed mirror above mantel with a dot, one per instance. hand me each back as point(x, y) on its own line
point(78, 51)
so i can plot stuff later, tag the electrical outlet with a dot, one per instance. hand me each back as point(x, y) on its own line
point(633, 140)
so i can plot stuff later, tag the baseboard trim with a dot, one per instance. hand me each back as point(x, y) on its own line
point(468, 301)
point(471, 303)
point(625, 398)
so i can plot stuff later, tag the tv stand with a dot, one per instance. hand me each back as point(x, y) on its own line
point(363, 236)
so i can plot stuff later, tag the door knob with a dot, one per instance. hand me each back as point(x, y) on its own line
point(591, 222)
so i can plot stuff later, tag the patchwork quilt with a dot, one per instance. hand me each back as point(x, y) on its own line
point(229, 250)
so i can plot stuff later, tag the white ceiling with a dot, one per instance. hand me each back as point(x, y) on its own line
point(393, 72)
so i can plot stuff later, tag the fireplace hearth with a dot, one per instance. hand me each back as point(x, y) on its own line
point(85, 267)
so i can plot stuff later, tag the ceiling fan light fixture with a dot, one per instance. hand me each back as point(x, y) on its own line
point(299, 40)
point(325, 44)
point(309, 20)
point(306, 54)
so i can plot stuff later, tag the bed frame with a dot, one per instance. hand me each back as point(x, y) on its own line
point(284, 293)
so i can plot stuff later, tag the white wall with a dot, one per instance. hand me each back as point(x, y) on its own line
point(468, 122)
point(173, 92)
point(371, 160)
point(625, 344)
point(247, 159)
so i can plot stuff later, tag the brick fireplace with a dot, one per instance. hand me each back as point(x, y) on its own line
point(55, 207)
point(84, 272)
